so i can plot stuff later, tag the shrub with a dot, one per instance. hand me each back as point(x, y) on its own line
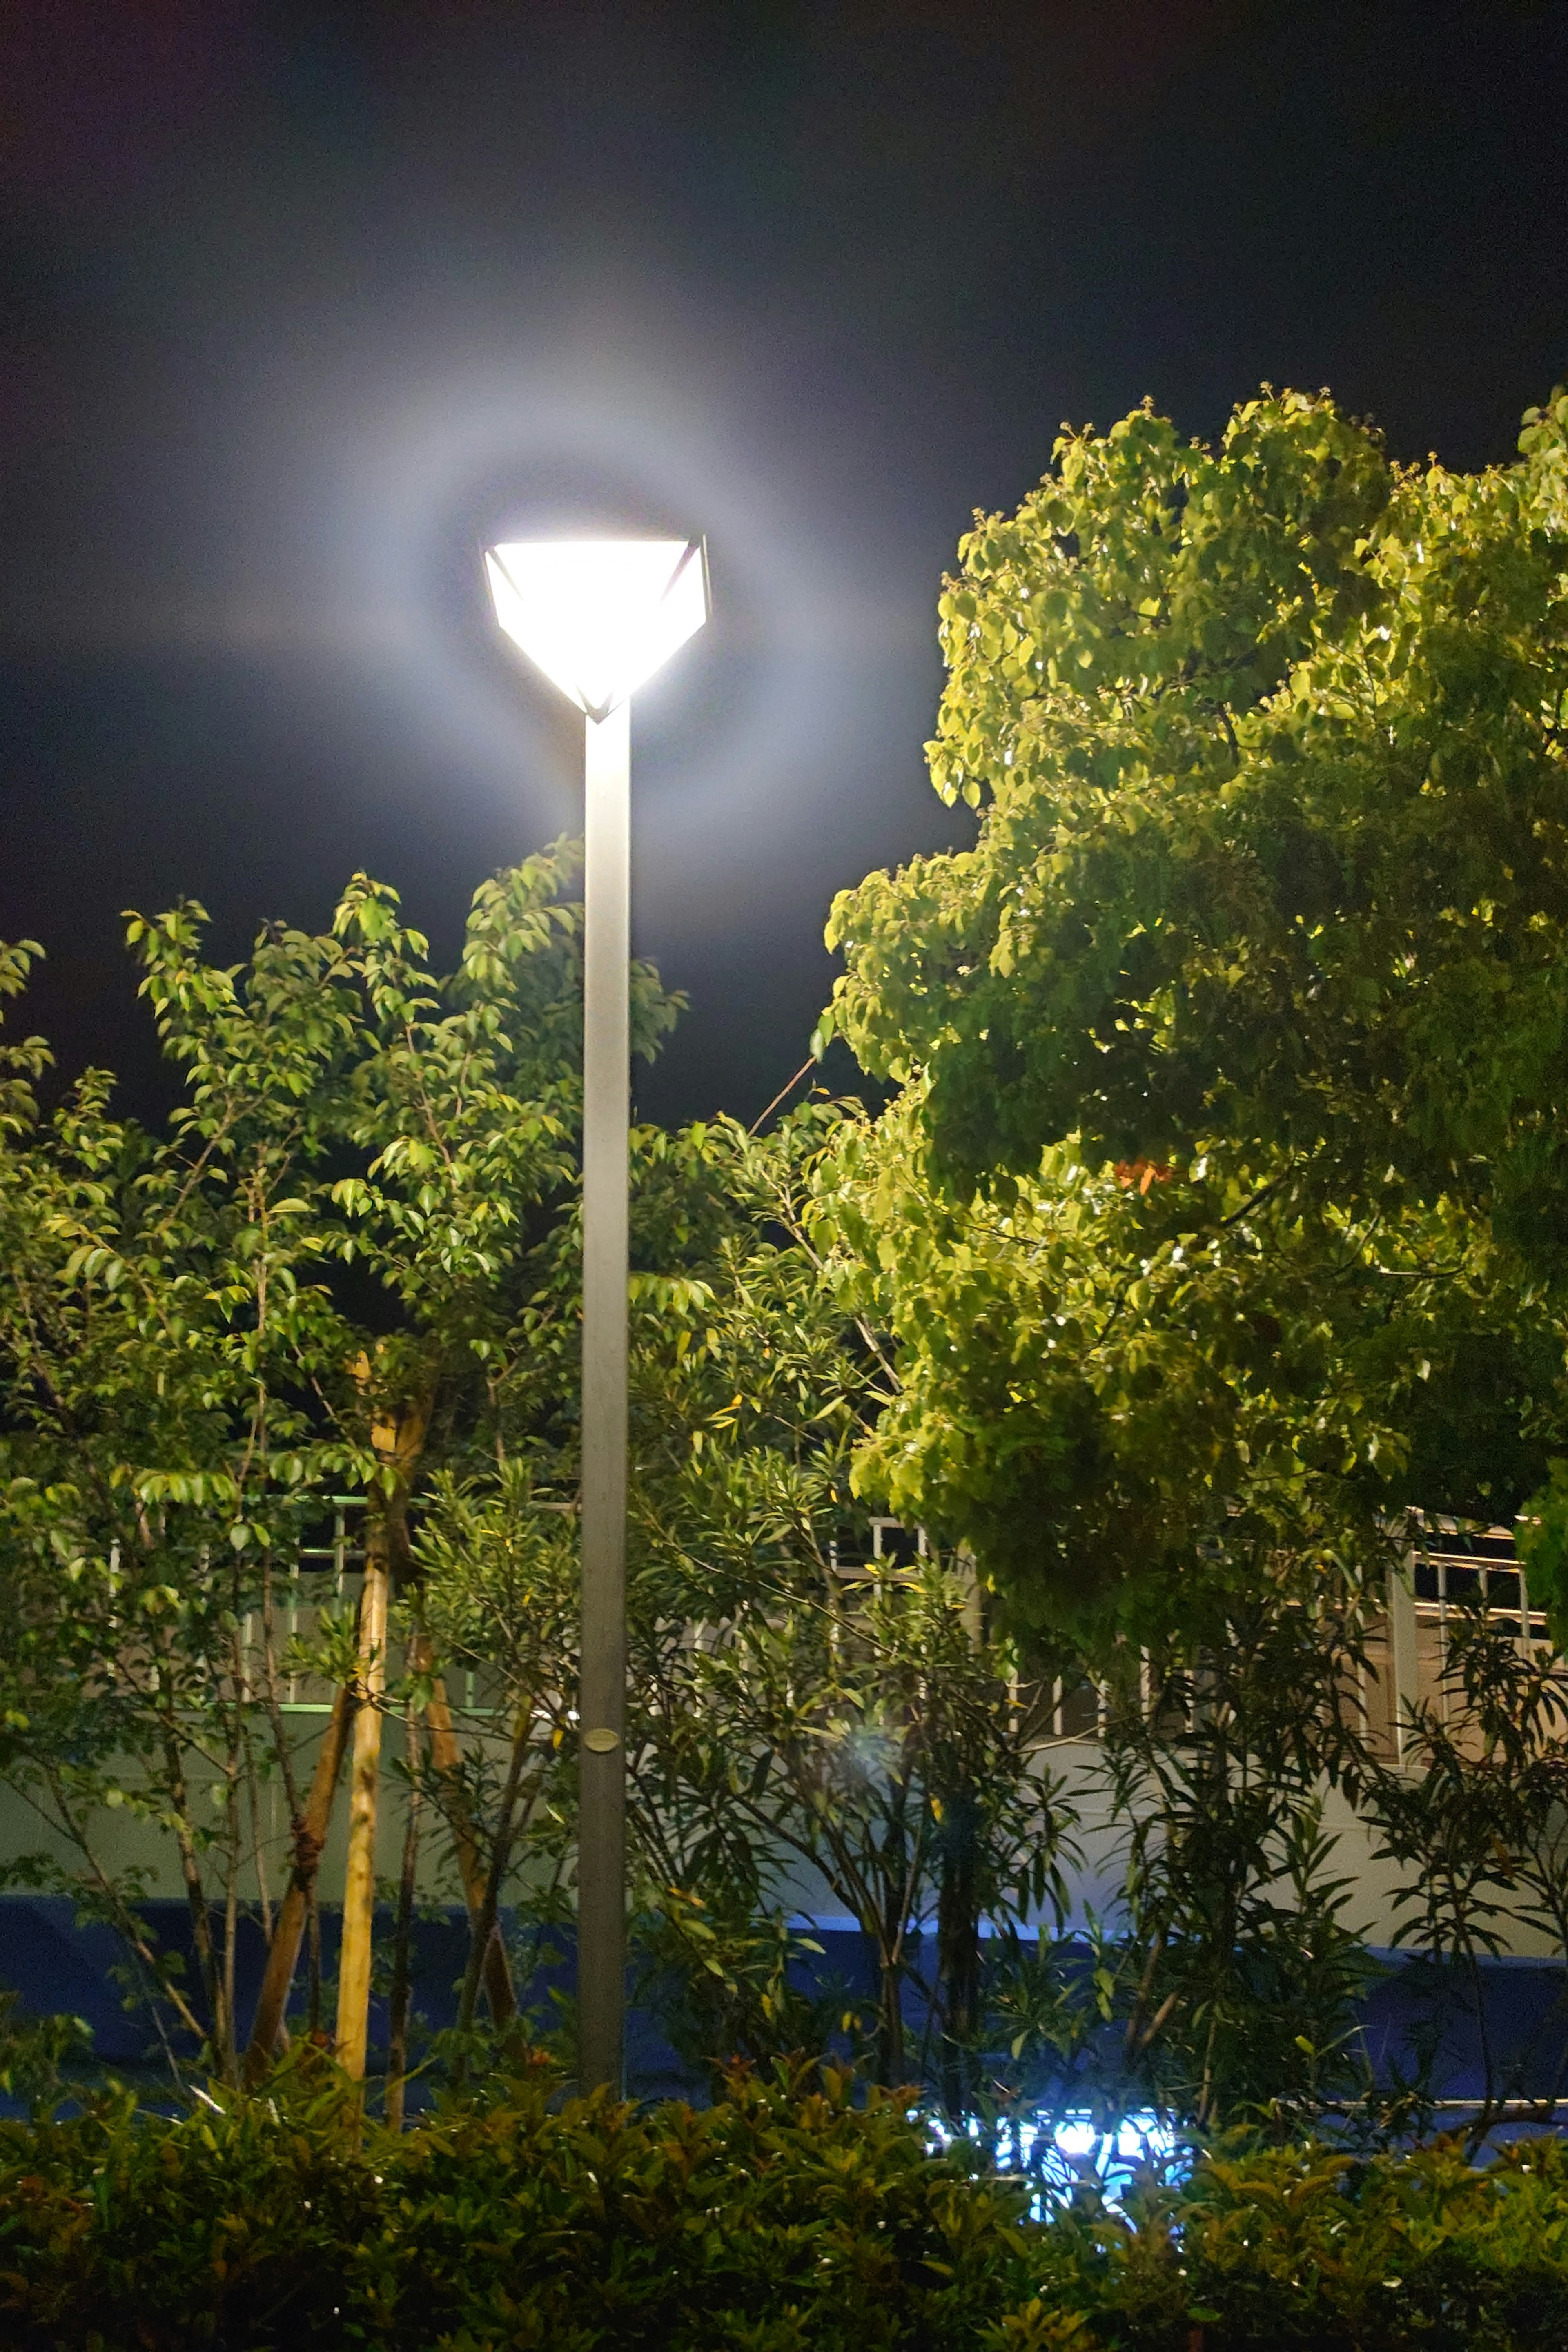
point(1307, 2249)
point(783, 2219)
point(780, 2218)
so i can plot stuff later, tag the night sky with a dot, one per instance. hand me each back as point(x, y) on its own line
point(299, 305)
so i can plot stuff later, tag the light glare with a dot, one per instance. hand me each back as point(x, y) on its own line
point(599, 616)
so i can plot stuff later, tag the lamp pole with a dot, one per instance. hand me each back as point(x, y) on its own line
point(599, 617)
point(607, 1122)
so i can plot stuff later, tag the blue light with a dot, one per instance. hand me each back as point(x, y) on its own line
point(1074, 2150)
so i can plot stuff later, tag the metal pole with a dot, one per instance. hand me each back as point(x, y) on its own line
point(607, 1117)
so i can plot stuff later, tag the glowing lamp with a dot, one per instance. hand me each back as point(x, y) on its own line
point(599, 616)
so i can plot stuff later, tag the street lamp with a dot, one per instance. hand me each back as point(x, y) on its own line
point(599, 617)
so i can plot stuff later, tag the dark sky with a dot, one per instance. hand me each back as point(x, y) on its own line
point(298, 304)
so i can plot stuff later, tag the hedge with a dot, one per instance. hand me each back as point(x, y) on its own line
point(787, 2217)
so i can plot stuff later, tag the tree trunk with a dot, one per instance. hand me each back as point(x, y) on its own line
point(890, 2022)
point(444, 1756)
point(483, 1937)
point(310, 1836)
point(359, 1879)
point(220, 2027)
point(398, 1445)
point(958, 1946)
point(401, 1951)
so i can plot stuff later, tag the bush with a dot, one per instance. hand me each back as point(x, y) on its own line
point(780, 2218)
point(1307, 2249)
point(784, 2219)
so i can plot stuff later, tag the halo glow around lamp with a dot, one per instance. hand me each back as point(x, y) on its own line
point(598, 617)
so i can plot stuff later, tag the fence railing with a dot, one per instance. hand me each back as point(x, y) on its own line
point(1407, 1646)
point(1406, 1669)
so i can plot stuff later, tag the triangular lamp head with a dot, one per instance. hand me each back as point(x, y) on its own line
point(599, 616)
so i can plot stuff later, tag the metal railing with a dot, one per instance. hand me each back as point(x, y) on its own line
point(1407, 1646)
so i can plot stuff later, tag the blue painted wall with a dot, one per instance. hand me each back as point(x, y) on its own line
point(55, 1964)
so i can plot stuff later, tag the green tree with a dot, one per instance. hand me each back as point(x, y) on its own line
point(1232, 1051)
point(311, 1282)
point(793, 1719)
point(351, 1268)
point(1121, 1389)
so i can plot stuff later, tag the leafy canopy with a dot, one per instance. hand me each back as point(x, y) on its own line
point(1268, 741)
point(1230, 1176)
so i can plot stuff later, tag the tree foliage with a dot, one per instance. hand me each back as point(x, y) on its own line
point(348, 1277)
point(201, 1331)
point(1233, 1050)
